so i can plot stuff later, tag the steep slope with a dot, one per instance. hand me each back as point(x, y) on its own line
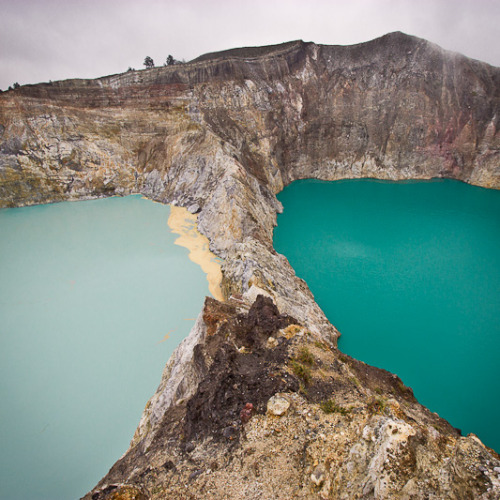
point(222, 135)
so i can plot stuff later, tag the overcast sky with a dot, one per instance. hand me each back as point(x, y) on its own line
point(42, 40)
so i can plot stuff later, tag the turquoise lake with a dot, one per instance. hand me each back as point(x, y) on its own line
point(88, 292)
point(409, 272)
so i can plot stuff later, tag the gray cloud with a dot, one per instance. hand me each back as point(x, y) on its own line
point(43, 40)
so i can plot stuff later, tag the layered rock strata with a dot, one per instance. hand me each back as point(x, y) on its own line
point(221, 136)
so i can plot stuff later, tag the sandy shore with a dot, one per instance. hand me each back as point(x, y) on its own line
point(184, 223)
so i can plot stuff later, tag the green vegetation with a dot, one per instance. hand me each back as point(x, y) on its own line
point(320, 345)
point(330, 406)
point(301, 365)
point(305, 357)
point(355, 381)
point(148, 62)
point(377, 406)
point(303, 372)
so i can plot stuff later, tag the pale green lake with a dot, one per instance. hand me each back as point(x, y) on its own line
point(88, 291)
point(410, 274)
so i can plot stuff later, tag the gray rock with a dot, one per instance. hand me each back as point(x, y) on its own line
point(278, 405)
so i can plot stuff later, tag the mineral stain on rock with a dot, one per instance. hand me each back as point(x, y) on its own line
point(183, 223)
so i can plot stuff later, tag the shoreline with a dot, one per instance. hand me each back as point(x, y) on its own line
point(184, 223)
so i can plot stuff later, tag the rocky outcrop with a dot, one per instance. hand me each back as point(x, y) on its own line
point(277, 413)
point(221, 136)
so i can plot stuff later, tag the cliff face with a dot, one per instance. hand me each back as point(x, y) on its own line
point(396, 107)
point(221, 136)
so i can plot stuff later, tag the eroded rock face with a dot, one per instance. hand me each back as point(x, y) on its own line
point(221, 136)
point(296, 420)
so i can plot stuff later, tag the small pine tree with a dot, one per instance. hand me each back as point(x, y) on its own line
point(149, 63)
point(16, 85)
point(170, 60)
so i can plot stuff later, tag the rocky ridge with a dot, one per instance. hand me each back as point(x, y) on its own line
point(221, 136)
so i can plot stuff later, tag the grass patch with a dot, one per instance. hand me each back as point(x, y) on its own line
point(303, 372)
point(320, 345)
point(305, 357)
point(355, 381)
point(329, 406)
point(377, 406)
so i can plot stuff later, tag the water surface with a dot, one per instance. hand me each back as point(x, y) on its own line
point(94, 296)
point(410, 275)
